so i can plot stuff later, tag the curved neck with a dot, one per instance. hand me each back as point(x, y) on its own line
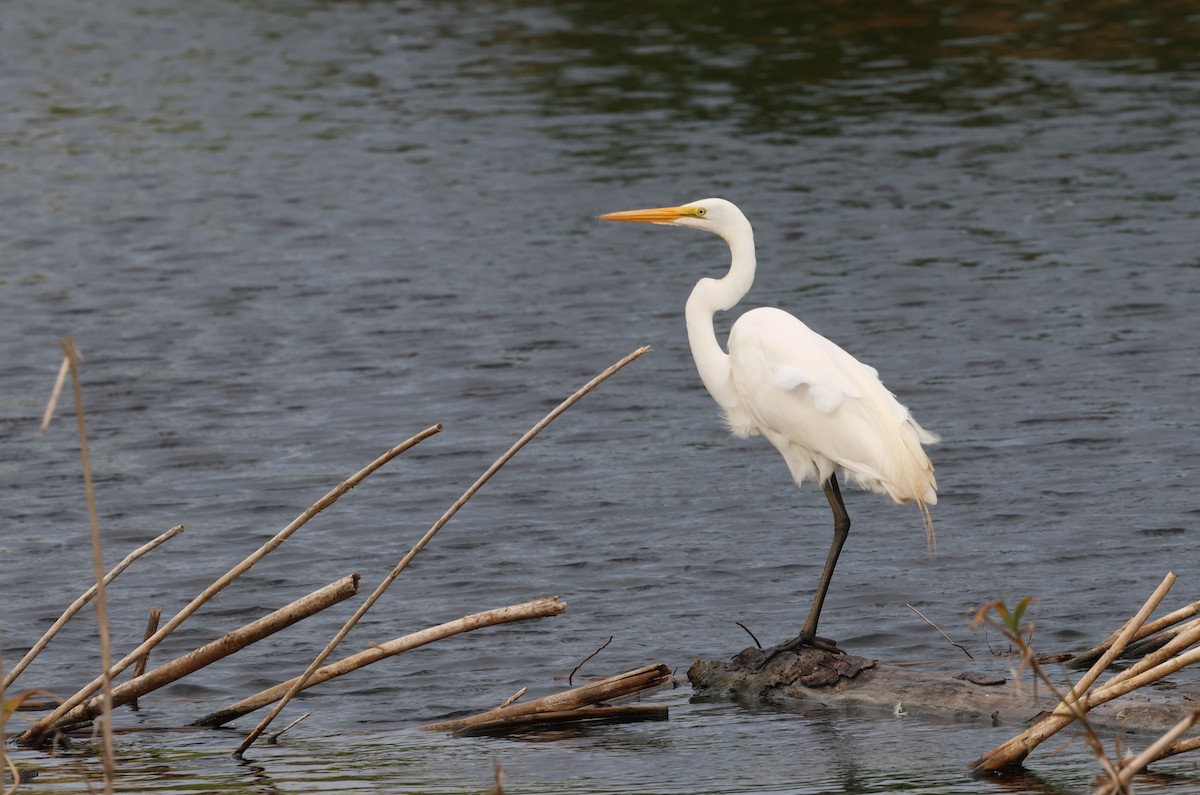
point(710, 296)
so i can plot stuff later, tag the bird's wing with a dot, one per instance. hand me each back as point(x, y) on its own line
point(770, 348)
point(821, 407)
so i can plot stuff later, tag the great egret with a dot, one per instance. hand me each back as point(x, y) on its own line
point(821, 408)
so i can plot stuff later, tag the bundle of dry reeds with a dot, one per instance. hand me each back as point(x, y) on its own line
point(1168, 654)
point(85, 705)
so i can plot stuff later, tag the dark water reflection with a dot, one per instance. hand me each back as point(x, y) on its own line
point(289, 235)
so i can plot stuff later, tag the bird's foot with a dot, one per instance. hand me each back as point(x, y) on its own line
point(796, 644)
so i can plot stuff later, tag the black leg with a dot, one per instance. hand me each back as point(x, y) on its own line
point(841, 530)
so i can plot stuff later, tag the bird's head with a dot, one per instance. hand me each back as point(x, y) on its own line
point(712, 215)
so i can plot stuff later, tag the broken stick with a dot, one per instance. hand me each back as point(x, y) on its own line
point(625, 684)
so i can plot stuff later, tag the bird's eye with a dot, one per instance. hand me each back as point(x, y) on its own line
point(701, 212)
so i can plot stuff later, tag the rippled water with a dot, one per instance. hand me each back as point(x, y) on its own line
point(287, 236)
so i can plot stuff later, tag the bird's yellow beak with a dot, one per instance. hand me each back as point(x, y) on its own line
point(656, 215)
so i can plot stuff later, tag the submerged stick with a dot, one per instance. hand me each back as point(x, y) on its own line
point(34, 733)
point(224, 646)
point(425, 539)
point(567, 717)
point(539, 608)
point(1077, 701)
point(151, 627)
point(625, 684)
point(79, 603)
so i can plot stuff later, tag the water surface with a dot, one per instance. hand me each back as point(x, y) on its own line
point(288, 236)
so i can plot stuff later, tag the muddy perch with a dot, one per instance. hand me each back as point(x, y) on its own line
point(813, 676)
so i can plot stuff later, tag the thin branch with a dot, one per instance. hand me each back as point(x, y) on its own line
point(420, 545)
point(746, 629)
point(603, 646)
point(959, 646)
point(34, 733)
point(274, 738)
point(83, 599)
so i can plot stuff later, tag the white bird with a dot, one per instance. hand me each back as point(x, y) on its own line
point(821, 408)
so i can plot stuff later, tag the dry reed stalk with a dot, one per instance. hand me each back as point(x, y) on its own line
point(1077, 702)
point(83, 599)
point(108, 753)
point(224, 646)
point(625, 684)
point(1157, 625)
point(52, 403)
point(429, 534)
point(539, 608)
point(567, 717)
point(35, 732)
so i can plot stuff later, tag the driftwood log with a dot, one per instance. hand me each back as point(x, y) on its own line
point(818, 677)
